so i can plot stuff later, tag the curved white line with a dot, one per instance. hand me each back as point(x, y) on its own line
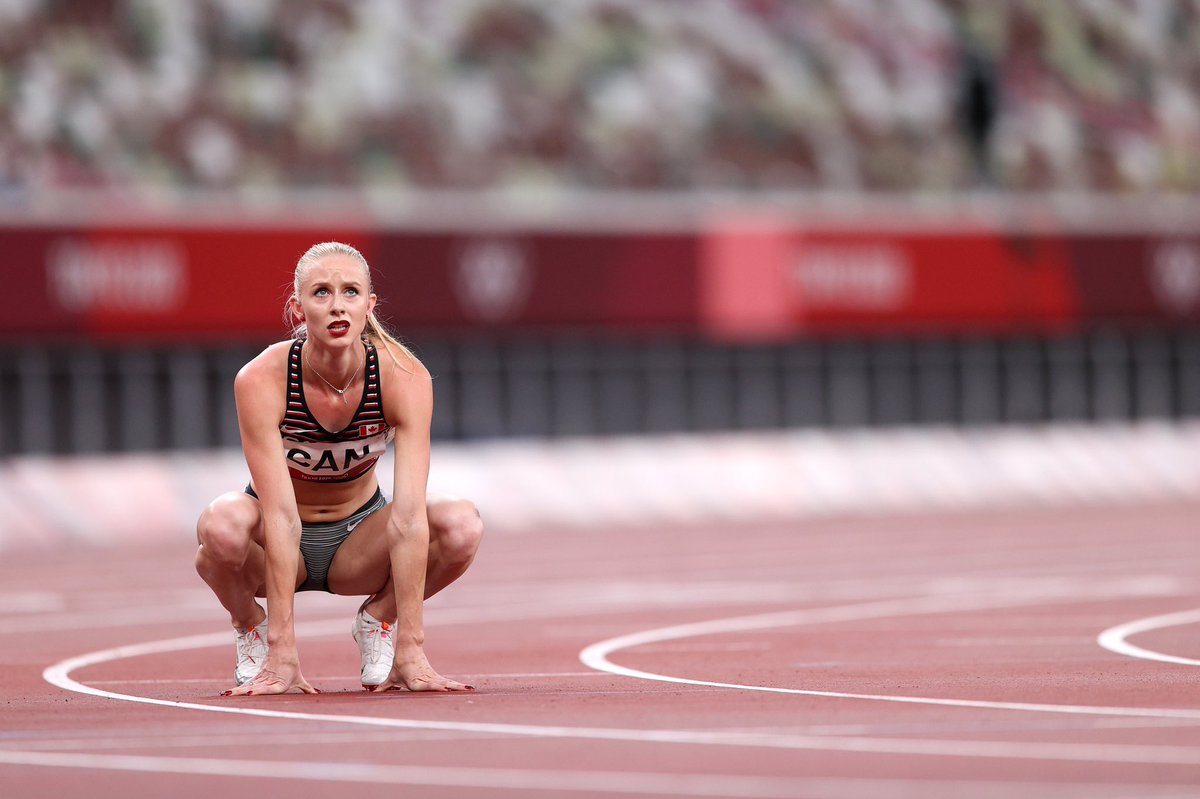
point(59, 674)
point(597, 656)
point(1114, 639)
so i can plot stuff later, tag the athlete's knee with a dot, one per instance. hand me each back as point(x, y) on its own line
point(224, 530)
point(458, 528)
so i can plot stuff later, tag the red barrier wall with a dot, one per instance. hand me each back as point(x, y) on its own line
point(118, 283)
point(538, 280)
point(768, 280)
point(737, 277)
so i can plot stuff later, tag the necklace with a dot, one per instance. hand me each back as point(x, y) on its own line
point(341, 392)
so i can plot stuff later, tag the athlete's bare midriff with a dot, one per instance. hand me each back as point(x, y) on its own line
point(330, 502)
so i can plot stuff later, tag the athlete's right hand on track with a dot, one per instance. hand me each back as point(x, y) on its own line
point(278, 676)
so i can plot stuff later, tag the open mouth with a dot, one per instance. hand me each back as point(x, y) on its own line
point(338, 328)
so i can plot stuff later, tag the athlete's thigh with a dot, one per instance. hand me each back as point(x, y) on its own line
point(235, 519)
point(363, 562)
point(230, 520)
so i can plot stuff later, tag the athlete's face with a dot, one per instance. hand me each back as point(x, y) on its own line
point(334, 299)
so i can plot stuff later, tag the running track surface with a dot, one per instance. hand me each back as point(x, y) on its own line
point(1023, 653)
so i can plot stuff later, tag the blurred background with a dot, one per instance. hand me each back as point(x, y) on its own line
point(606, 217)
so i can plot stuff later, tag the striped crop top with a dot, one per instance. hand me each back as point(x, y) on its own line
point(313, 453)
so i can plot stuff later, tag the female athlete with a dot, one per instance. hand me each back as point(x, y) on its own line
point(315, 414)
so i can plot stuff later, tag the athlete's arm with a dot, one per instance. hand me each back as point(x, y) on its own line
point(260, 394)
point(408, 406)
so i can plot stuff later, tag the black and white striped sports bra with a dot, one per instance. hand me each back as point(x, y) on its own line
point(315, 454)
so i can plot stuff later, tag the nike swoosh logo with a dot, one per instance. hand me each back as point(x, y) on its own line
point(350, 527)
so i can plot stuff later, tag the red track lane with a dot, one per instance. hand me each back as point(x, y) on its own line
point(933, 656)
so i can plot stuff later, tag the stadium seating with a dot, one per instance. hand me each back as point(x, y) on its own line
point(845, 95)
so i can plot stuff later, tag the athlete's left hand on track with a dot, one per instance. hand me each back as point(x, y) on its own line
point(269, 681)
point(413, 672)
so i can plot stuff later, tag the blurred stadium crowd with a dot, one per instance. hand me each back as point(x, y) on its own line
point(843, 95)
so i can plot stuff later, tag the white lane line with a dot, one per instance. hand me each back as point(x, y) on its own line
point(1021, 641)
point(560, 782)
point(116, 617)
point(456, 776)
point(42, 602)
point(1115, 639)
point(567, 598)
point(226, 737)
point(597, 656)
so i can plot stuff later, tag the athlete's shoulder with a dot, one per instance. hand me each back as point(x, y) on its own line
point(398, 362)
point(266, 368)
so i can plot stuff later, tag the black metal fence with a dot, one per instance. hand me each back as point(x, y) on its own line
point(92, 399)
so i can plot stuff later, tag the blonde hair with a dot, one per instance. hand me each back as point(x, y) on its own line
point(375, 331)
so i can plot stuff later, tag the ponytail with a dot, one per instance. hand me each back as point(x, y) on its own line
point(376, 333)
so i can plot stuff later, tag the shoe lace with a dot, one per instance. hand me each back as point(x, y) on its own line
point(250, 645)
point(376, 635)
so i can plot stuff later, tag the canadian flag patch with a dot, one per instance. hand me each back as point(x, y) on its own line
point(370, 429)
